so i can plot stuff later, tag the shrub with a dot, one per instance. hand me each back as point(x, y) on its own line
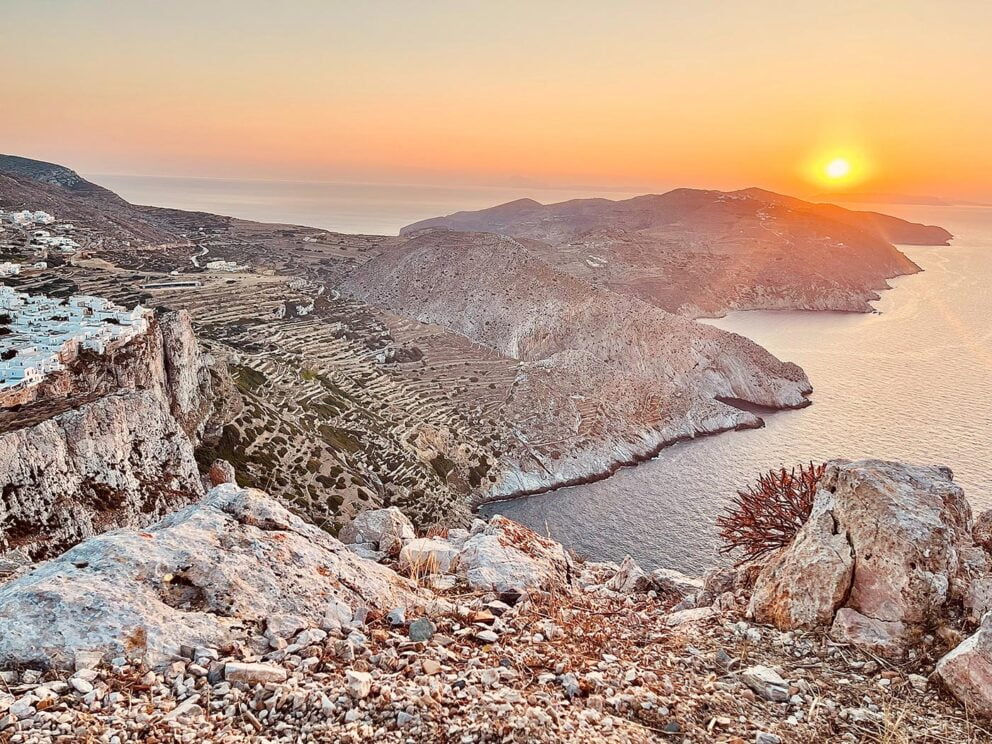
point(767, 515)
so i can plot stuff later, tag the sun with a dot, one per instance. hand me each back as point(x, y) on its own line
point(837, 169)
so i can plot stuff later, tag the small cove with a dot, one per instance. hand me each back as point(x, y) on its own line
point(910, 382)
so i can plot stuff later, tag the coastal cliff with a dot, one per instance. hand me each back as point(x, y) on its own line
point(109, 441)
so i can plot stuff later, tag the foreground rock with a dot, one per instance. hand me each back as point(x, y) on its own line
point(967, 670)
point(197, 578)
point(274, 631)
point(886, 553)
point(385, 529)
point(509, 558)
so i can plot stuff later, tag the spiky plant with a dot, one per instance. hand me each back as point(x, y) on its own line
point(767, 515)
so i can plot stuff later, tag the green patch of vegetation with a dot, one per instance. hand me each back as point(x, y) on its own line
point(339, 438)
point(246, 378)
point(442, 466)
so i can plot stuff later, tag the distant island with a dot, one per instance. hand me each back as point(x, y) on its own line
point(697, 252)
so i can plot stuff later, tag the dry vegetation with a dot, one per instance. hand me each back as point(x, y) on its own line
point(767, 515)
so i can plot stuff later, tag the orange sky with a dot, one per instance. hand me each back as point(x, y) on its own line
point(642, 94)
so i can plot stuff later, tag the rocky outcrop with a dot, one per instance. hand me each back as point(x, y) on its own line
point(201, 393)
point(507, 557)
point(886, 553)
point(199, 577)
point(385, 529)
point(119, 460)
point(109, 441)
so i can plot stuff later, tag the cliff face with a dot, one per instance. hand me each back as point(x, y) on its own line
point(120, 460)
point(109, 441)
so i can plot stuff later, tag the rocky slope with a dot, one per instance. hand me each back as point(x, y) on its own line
point(603, 378)
point(109, 441)
point(706, 252)
point(234, 621)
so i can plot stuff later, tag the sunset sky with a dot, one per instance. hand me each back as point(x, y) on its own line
point(612, 94)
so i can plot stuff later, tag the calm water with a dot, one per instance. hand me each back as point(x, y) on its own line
point(350, 208)
point(911, 382)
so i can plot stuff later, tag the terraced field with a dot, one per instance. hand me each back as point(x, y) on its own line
point(344, 405)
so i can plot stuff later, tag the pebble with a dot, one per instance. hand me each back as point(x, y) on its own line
point(359, 684)
point(80, 685)
point(421, 630)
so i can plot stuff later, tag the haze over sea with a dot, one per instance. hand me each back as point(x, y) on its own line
point(378, 209)
point(910, 382)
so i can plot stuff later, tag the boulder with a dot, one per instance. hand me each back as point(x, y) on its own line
point(630, 578)
point(889, 542)
point(803, 585)
point(966, 671)
point(426, 555)
point(376, 525)
point(675, 583)
point(200, 577)
point(508, 557)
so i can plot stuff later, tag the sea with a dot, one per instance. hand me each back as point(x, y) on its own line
point(911, 381)
point(371, 209)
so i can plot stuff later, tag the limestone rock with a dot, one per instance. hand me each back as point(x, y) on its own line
point(966, 671)
point(878, 636)
point(375, 525)
point(889, 541)
point(675, 583)
point(195, 578)
point(253, 673)
point(424, 556)
point(108, 442)
point(681, 617)
point(630, 578)
point(118, 460)
point(359, 684)
point(767, 683)
point(803, 585)
point(508, 557)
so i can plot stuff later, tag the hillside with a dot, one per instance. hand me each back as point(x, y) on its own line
point(706, 252)
point(604, 378)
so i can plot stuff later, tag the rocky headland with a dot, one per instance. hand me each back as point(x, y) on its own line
point(602, 379)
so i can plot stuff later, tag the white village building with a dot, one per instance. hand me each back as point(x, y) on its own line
point(43, 334)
